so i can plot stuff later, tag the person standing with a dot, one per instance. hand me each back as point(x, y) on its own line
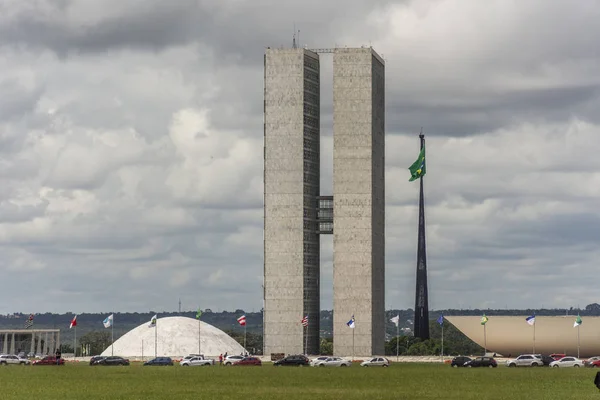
point(58, 355)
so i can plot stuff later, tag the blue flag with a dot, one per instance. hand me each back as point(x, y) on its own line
point(440, 320)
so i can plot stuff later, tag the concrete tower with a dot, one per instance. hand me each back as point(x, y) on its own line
point(358, 201)
point(296, 213)
point(291, 275)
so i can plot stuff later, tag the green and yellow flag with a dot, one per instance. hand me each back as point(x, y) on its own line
point(484, 319)
point(417, 169)
point(198, 313)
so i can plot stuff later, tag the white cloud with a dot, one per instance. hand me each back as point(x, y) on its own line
point(131, 149)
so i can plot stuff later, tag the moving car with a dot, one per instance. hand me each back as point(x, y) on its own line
point(376, 362)
point(248, 361)
point(316, 361)
point(111, 360)
point(49, 360)
point(459, 361)
point(96, 358)
point(230, 360)
point(7, 359)
point(525, 360)
point(567, 361)
point(296, 361)
point(196, 361)
point(160, 361)
point(590, 362)
point(335, 362)
point(482, 362)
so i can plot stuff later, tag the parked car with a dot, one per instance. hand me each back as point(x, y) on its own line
point(335, 362)
point(296, 361)
point(481, 362)
point(459, 361)
point(160, 361)
point(567, 361)
point(230, 360)
point(376, 362)
point(196, 361)
point(525, 360)
point(49, 360)
point(7, 359)
point(557, 356)
point(112, 360)
point(248, 361)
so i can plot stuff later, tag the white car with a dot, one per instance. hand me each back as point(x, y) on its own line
point(376, 362)
point(567, 361)
point(196, 361)
point(315, 362)
point(230, 360)
point(335, 362)
point(525, 360)
point(6, 359)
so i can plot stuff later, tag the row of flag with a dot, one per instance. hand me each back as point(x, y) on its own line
point(396, 320)
point(108, 321)
point(531, 320)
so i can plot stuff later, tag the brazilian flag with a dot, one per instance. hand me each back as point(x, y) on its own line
point(417, 169)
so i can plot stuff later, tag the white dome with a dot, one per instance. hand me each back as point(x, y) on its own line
point(177, 337)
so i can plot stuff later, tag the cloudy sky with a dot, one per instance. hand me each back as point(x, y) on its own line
point(131, 148)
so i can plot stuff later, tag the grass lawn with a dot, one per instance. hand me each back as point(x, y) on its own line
point(400, 381)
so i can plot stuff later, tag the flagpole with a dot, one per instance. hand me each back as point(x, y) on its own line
point(484, 341)
point(578, 340)
point(155, 338)
point(75, 344)
point(112, 337)
point(245, 329)
point(199, 348)
point(353, 344)
point(534, 337)
point(442, 355)
point(397, 339)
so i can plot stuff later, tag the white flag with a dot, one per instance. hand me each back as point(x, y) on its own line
point(108, 321)
point(396, 320)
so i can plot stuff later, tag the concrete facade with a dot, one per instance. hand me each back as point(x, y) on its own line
point(291, 177)
point(359, 201)
point(296, 212)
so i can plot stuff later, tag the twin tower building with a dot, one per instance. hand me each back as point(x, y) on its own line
point(297, 213)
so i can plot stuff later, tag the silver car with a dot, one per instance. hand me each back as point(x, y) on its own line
point(376, 362)
point(315, 362)
point(567, 361)
point(6, 359)
point(335, 362)
point(525, 360)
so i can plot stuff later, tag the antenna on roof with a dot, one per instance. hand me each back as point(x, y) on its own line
point(294, 38)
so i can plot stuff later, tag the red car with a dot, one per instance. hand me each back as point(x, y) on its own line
point(49, 360)
point(557, 356)
point(248, 361)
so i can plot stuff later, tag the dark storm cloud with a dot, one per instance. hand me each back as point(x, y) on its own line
point(466, 115)
point(235, 30)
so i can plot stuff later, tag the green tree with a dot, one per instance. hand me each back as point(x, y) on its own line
point(326, 346)
point(97, 340)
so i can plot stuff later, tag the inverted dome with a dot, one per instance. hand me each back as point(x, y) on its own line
point(177, 337)
point(512, 335)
